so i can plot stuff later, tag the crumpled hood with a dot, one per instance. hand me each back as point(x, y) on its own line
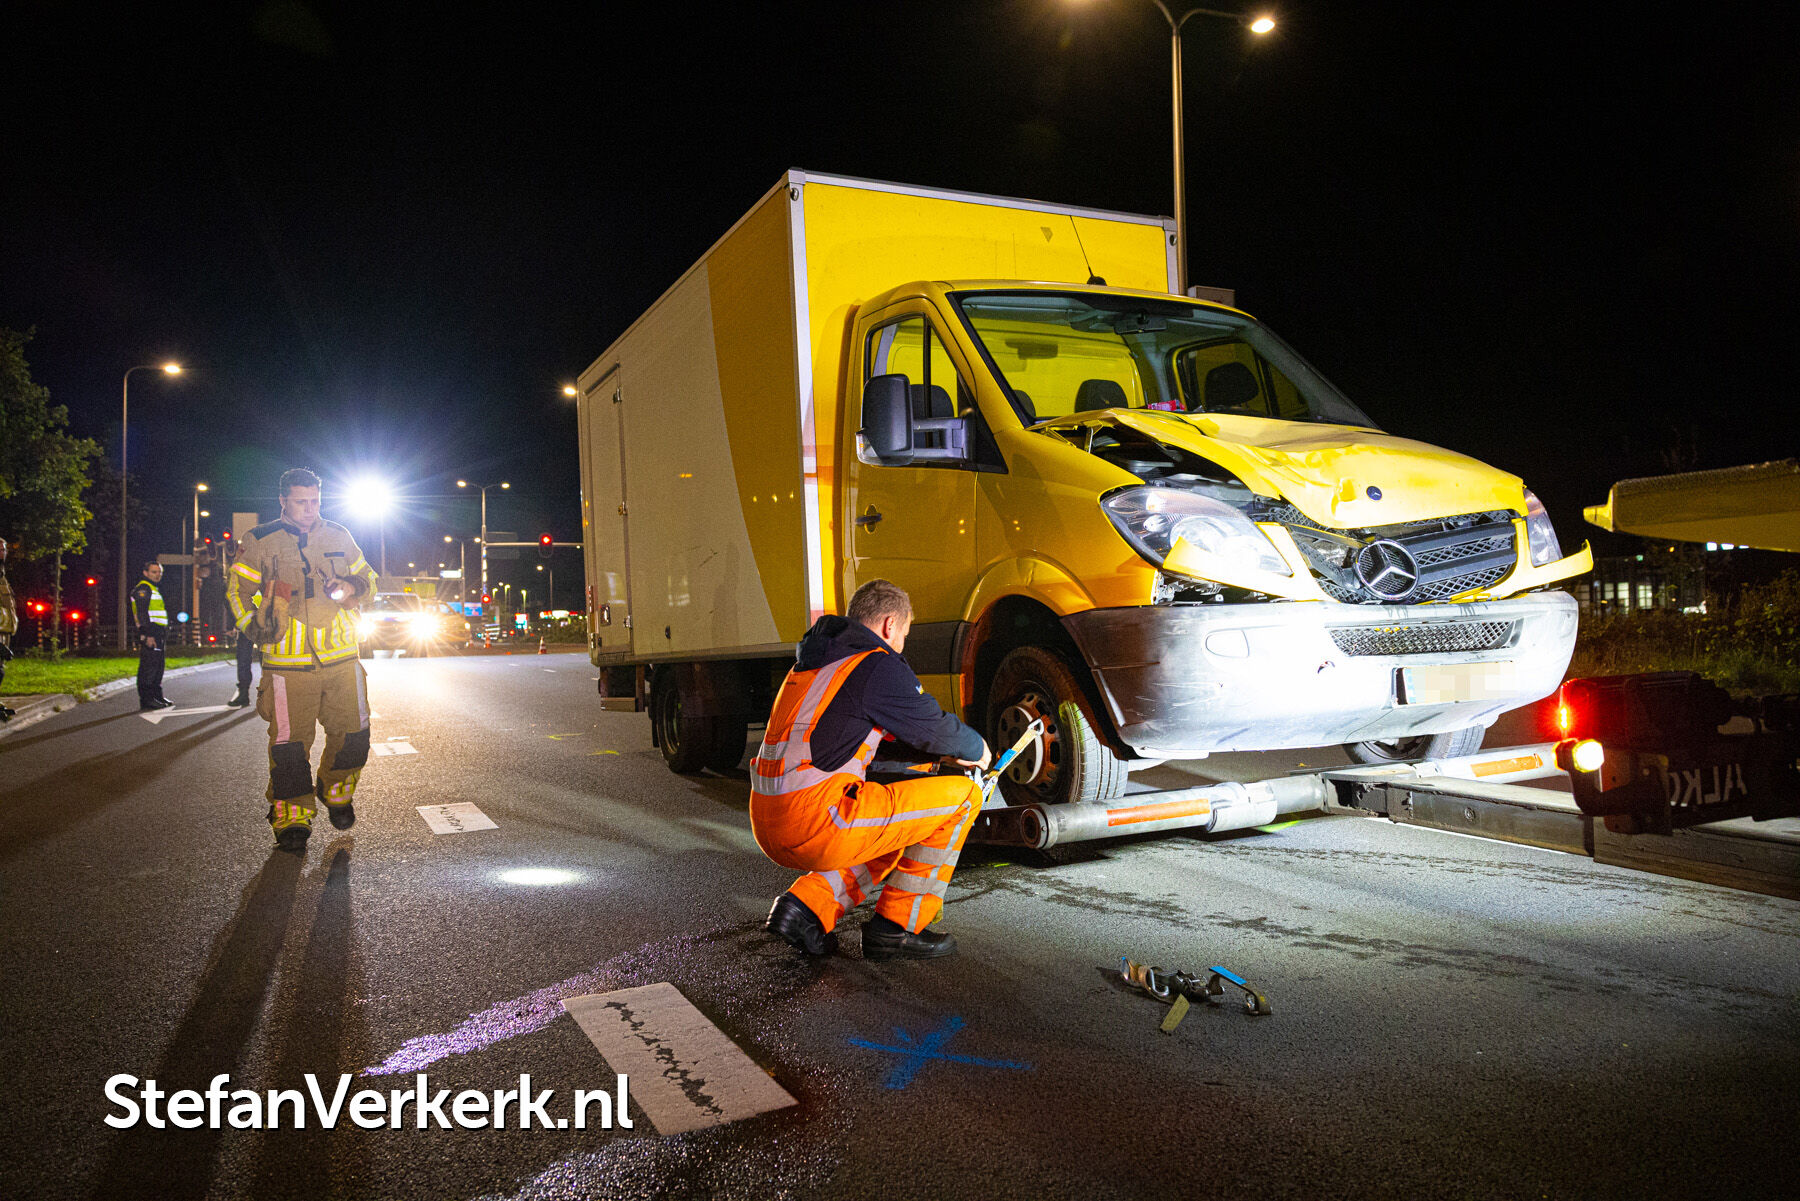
point(832, 638)
point(1327, 471)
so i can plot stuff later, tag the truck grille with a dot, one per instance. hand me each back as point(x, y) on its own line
point(1426, 638)
point(1453, 555)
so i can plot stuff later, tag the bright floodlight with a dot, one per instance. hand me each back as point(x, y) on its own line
point(1262, 25)
point(172, 368)
point(370, 498)
point(569, 390)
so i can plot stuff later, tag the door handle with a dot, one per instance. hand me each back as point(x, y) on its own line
point(868, 520)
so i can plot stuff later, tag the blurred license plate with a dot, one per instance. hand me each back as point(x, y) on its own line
point(1453, 682)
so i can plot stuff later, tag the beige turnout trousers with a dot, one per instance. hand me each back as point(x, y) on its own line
point(294, 703)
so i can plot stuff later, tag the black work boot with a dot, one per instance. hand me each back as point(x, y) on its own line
point(342, 816)
point(240, 700)
point(799, 927)
point(884, 938)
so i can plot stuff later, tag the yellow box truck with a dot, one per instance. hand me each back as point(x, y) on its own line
point(1139, 517)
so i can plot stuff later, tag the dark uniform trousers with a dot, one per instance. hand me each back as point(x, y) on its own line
point(150, 671)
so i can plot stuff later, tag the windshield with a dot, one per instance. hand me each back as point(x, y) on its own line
point(396, 602)
point(1061, 353)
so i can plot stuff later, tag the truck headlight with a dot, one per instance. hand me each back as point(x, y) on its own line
point(1151, 519)
point(1540, 535)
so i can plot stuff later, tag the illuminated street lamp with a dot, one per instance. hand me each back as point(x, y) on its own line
point(1258, 25)
point(571, 390)
point(371, 498)
point(124, 445)
point(483, 489)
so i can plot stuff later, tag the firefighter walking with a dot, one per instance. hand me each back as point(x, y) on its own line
point(814, 808)
point(294, 589)
point(151, 619)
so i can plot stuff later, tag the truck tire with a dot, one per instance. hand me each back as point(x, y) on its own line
point(685, 740)
point(726, 749)
point(1448, 745)
point(1069, 764)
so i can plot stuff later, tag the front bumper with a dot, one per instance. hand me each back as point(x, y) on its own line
point(1182, 681)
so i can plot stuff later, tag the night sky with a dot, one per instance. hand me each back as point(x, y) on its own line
point(382, 236)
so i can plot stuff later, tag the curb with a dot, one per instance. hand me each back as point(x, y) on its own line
point(124, 682)
point(31, 710)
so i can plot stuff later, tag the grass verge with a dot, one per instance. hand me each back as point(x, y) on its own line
point(34, 675)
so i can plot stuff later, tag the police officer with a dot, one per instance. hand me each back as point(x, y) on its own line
point(813, 807)
point(294, 589)
point(152, 621)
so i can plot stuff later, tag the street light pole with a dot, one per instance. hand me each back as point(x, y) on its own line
point(124, 446)
point(1258, 25)
point(193, 604)
point(483, 489)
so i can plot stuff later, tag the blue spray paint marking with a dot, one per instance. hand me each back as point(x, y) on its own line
point(914, 1056)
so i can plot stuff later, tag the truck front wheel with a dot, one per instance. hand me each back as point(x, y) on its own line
point(1069, 763)
point(1447, 745)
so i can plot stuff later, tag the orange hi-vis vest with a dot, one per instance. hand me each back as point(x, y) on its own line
point(783, 764)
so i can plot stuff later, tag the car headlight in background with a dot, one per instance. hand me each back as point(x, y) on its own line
point(1539, 533)
point(1151, 519)
point(365, 626)
point(422, 623)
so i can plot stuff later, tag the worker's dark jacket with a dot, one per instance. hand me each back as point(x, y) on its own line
point(881, 691)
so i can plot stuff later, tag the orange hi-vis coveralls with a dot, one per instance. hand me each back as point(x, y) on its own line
point(848, 833)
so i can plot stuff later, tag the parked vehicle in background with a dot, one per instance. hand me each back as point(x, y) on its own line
point(1138, 518)
point(400, 621)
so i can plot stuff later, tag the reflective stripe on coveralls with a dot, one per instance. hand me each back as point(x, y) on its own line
point(850, 831)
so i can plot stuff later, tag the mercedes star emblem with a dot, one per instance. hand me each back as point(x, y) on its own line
point(1387, 570)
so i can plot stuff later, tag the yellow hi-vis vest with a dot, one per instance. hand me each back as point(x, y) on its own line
point(311, 629)
point(159, 615)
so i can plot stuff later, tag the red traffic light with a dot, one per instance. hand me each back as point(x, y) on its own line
point(209, 542)
point(74, 615)
point(485, 598)
point(93, 582)
point(544, 540)
point(227, 535)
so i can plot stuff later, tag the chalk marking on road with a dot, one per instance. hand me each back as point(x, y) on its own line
point(459, 818)
point(551, 670)
point(560, 737)
point(685, 1072)
point(592, 753)
point(399, 744)
point(156, 717)
point(914, 1056)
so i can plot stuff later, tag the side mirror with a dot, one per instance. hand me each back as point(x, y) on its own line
point(887, 419)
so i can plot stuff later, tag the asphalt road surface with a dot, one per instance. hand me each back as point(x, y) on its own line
point(1452, 1017)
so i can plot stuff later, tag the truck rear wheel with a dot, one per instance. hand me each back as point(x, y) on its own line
point(1447, 745)
point(685, 740)
point(726, 747)
point(1069, 763)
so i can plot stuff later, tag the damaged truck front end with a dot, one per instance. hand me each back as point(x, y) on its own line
point(1308, 578)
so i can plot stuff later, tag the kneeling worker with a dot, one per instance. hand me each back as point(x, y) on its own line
point(813, 807)
point(294, 589)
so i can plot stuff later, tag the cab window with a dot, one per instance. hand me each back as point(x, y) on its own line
point(913, 348)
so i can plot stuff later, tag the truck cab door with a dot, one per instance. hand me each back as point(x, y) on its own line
point(914, 525)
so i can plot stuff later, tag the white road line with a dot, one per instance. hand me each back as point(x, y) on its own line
point(155, 718)
point(684, 1071)
point(397, 745)
point(459, 818)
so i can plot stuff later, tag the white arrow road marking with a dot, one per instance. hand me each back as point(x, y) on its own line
point(397, 745)
point(155, 718)
point(686, 1073)
point(455, 819)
